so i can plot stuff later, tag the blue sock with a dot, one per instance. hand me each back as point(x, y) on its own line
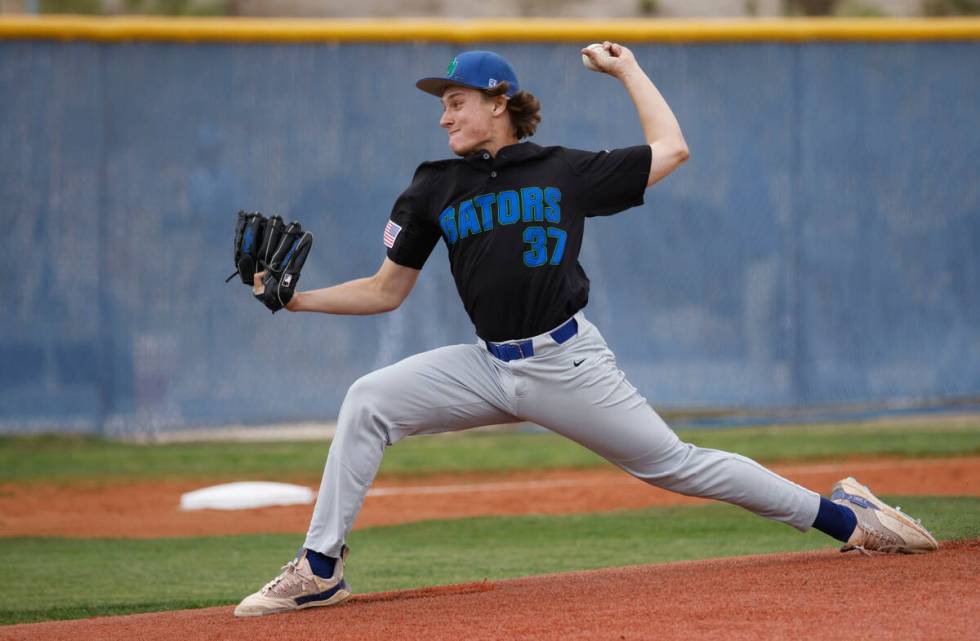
point(836, 520)
point(321, 564)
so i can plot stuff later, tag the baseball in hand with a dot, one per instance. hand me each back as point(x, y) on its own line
point(588, 61)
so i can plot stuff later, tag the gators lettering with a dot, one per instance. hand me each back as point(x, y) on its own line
point(476, 215)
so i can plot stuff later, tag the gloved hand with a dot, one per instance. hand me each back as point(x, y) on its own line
point(282, 270)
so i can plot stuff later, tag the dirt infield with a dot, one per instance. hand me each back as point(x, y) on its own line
point(150, 509)
point(815, 596)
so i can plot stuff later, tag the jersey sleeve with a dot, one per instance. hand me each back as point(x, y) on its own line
point(611, 181)
point(408, 234)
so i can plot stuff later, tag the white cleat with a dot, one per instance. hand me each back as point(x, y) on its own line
point(297, 588)
point(880, 527)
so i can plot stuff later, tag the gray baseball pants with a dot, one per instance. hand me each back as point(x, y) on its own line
point(463, 386)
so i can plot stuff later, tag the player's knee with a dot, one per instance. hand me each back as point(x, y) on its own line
point(365, 394)
point(361, 422)
point(662, 465)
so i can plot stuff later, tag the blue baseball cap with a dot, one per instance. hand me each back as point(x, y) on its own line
point(475, 69)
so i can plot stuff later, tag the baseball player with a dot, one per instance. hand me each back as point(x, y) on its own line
point(512, 216)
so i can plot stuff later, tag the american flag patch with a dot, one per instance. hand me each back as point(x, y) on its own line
point(391, 233)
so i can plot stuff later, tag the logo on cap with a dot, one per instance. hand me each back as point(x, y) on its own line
point(452, 66)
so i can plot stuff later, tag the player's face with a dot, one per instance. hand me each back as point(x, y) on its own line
point(468, 118)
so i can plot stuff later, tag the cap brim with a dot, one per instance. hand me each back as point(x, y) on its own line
point(436, 86)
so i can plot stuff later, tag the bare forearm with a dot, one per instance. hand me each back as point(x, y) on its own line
point(383, 292)
point(658, 121)
point(361, 297)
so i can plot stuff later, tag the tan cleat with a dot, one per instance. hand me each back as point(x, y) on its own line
point(880, 527)
point(297, 588)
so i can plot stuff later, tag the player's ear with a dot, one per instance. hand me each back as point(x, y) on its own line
point(499, 105)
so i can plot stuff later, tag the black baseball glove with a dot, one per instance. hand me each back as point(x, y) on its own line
point(287, 249)
point(253, 233)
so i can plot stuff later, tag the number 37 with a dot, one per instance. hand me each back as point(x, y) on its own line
point(537, 237)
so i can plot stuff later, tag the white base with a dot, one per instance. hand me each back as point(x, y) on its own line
point(246, 495)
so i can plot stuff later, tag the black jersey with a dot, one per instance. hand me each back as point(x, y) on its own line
point(513, 227)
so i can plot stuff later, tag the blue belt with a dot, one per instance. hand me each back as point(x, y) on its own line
point(522, 349)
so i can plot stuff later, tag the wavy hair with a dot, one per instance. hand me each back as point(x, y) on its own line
point(523, 107)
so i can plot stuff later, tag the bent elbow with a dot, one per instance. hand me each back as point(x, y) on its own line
point(667, 158)
point(392, 300)
point(391, 305)
point(678, 150)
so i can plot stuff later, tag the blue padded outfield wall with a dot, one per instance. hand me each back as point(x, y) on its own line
point(822, 245)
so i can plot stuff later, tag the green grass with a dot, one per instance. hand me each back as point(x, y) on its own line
point(831, 441)
point(66, 458)
point(49, 578)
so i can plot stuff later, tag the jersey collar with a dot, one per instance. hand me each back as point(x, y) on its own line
point(515, 153)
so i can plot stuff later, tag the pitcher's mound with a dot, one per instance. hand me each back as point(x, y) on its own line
point(816, 596)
